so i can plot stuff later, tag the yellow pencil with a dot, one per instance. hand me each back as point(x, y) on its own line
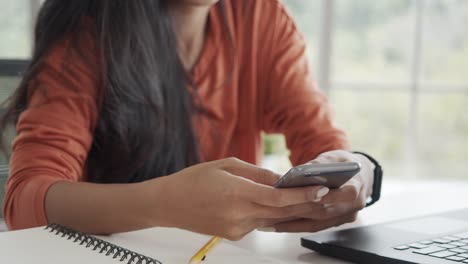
point(201, 254)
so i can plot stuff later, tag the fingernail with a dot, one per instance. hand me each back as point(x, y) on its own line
point(267, 229)
point(320, 194)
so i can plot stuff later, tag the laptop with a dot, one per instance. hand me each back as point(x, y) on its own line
point(435, 239)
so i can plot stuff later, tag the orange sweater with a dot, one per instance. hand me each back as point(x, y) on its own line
point(266, 85)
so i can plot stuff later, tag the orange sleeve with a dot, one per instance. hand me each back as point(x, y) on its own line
point(54, 133)
point(292, 103)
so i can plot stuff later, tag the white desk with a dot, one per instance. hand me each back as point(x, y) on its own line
point(400, 200)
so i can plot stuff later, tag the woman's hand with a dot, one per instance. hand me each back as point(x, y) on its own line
point(339, 206)
point(227, 198)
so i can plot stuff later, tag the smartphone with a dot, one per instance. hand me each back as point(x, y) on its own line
point(331, 175)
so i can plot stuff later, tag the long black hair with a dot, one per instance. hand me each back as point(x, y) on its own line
point(144, 128)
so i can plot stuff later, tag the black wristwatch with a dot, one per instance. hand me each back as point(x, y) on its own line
point(378, 175)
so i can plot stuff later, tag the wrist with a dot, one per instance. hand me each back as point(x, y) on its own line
point(376, 178)
point(367, 172)
point(151, 197)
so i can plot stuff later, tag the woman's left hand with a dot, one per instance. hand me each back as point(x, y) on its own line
point(339, 206)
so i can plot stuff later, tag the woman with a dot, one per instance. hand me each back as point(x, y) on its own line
point(120, 93)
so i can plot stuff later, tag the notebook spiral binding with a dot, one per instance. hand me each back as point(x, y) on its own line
point(101, 245)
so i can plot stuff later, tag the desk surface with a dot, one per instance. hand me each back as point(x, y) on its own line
point(400, 200)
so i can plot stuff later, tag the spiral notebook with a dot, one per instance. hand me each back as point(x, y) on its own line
point(58, 244)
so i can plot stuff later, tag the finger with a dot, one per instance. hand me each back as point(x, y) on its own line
point(268, 212)
point(333, 211)
point(235, 233)
point(335, 156)
point(347, 193)
point(324, 160)
point(249, 171)
point(340, 209)
point(269, 223)
point(305, 225)
point(270, 196)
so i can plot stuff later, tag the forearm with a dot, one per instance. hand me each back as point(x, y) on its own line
point(101, 208)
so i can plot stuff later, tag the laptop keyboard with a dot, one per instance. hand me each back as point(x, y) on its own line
point(453, 247)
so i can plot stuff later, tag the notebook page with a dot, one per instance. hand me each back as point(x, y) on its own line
point(38, 245)
point(171, 245)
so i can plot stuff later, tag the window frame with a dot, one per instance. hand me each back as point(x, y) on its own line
point(12, 68)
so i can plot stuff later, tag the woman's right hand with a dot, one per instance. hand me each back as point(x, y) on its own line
point(227, 198)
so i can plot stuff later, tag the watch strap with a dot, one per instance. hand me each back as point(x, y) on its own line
point(378, 175)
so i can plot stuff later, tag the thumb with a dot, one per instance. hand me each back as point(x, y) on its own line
point(249, 171)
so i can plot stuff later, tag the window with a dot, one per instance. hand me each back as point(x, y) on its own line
point(396, 75)
point(16, 28)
